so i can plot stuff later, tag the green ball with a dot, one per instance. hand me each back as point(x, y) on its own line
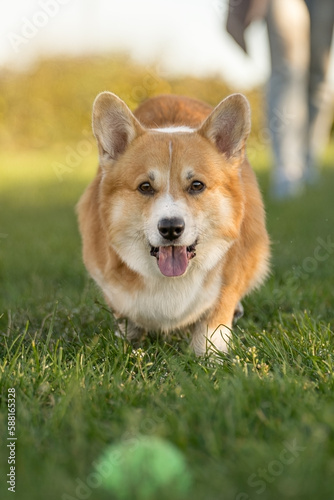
point(143, 468)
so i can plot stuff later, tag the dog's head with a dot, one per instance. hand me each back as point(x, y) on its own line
point(171, 199)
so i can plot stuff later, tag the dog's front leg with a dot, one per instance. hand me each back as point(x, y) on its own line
point(129, 331)
point(208, 340)
point(214, 334)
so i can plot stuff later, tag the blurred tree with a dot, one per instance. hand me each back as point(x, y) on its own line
point(51, 103)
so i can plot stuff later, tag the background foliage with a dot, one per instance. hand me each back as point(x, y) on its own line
point(52, 102)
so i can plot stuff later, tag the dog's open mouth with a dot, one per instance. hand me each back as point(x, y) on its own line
point(173, 260)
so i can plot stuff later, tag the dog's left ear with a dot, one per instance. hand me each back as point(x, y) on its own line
point(228, 126)
point(114, 126)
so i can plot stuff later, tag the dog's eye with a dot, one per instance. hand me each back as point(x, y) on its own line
point(196, 187)
point(145, 188)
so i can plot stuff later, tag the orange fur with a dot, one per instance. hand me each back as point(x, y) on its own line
point(224, 222)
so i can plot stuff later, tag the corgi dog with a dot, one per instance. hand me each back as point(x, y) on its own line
point(173, 224)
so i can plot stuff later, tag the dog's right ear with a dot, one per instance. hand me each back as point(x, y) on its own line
point(114, 126)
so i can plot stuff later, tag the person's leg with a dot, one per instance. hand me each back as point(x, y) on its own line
point(288, 33)
point(320, 94)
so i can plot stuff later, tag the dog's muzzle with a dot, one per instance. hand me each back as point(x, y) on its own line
point(172, 259)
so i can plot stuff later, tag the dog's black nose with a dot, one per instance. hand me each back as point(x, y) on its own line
point(171, 229)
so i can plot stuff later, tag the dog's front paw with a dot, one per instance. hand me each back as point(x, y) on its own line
point(129, 331)
point(210, 341)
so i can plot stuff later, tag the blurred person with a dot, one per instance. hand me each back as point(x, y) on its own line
point(300, 102)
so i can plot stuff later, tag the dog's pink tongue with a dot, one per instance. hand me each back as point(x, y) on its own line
point(173, 261)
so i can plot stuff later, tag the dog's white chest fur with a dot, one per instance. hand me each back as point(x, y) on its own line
point(164, 304)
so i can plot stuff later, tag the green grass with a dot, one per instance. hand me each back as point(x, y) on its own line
point(259, 426)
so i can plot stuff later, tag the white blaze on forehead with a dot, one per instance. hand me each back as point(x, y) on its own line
point(174, 130)
point(170, 148)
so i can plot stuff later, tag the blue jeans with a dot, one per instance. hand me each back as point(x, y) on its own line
point(300, 103)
